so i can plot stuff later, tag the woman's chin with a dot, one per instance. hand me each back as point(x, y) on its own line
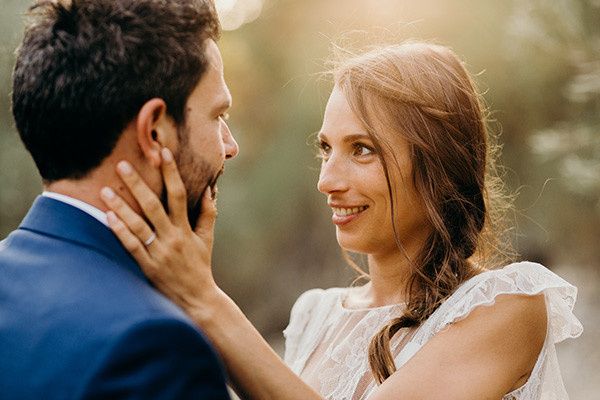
point(352, 243)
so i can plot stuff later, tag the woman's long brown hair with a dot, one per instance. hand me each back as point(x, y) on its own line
point(424, 94)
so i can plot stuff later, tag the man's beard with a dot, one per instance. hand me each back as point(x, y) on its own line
point(194, 200)
point(197, 176)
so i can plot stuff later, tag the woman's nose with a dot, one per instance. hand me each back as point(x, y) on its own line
point(332, 176)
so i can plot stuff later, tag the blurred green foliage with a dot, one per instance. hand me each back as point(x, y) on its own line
point(537, 61)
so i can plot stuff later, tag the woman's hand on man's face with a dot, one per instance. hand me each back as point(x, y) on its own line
point(175, 258)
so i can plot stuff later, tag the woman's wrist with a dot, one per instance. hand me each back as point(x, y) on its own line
point(210, 307)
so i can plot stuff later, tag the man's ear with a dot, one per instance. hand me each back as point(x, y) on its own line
point(154, 129)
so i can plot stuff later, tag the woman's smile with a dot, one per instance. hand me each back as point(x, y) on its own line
point(342, 215)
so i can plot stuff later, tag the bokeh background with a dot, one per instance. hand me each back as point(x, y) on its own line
point(537, 63)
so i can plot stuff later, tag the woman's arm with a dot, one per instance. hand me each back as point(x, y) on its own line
point(178, 262)
point(256, 371)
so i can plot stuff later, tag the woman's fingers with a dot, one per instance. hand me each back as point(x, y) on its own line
point(146, 198)
point(175, 188)
point(135, 224)
point(130, 241)
point(206, 222)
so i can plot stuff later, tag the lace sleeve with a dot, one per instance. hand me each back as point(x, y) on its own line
point(299, 318)
point(523, 278)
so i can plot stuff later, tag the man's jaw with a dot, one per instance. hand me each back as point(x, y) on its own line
point(213, 183)
point(195, 206)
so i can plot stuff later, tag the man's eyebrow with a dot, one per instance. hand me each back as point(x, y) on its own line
point(223, 105)
point(224, 102)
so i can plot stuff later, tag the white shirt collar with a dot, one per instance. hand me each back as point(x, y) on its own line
point(85, 207)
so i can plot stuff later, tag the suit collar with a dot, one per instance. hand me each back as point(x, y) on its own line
point(55, 218)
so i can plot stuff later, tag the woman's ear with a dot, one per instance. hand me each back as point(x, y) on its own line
point(154, 129)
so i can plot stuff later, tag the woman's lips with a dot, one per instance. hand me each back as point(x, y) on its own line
point(344, 215)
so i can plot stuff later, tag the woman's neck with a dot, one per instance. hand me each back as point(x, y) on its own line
point(389, 275)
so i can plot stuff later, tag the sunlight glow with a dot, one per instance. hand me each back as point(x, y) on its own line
point(235, 13)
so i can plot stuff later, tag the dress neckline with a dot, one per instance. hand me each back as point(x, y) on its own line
point(343, 295)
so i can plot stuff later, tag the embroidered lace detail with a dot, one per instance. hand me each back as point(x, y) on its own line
point(329, 349)
point(327, 344)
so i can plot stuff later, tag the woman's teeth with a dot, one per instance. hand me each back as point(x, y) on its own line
point(349, 211)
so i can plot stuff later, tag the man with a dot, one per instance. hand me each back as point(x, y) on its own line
point(95, 82)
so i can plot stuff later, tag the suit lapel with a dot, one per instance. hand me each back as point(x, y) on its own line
point(55, 218)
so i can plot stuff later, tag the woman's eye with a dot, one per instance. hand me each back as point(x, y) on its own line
point(362, 150)
point(324, 150)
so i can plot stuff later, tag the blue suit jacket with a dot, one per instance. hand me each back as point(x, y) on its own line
point(78, 319)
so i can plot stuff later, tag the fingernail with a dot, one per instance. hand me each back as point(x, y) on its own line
point(167, 155)
point(107, 193)
point(112, 217)
point(124, 168)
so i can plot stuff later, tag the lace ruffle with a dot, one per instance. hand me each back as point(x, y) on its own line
point(524, 278)
point(297, 333)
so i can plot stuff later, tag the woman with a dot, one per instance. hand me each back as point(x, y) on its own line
point(406, 169)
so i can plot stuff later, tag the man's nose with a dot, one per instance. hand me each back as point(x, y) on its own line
point(231, 147)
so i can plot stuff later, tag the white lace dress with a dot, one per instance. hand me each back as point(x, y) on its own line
point(326, 344)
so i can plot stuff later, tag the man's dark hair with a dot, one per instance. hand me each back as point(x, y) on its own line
point(86, 67)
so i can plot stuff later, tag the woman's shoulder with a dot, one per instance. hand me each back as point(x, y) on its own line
point(306, 319)
point(309, 299)
point(519, 278)
point(524, 299)
point(524, 290)
point(528, 277)
point(313, 303)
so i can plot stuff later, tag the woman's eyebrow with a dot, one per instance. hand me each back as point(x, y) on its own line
point(348, 138)
point(356, 136)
